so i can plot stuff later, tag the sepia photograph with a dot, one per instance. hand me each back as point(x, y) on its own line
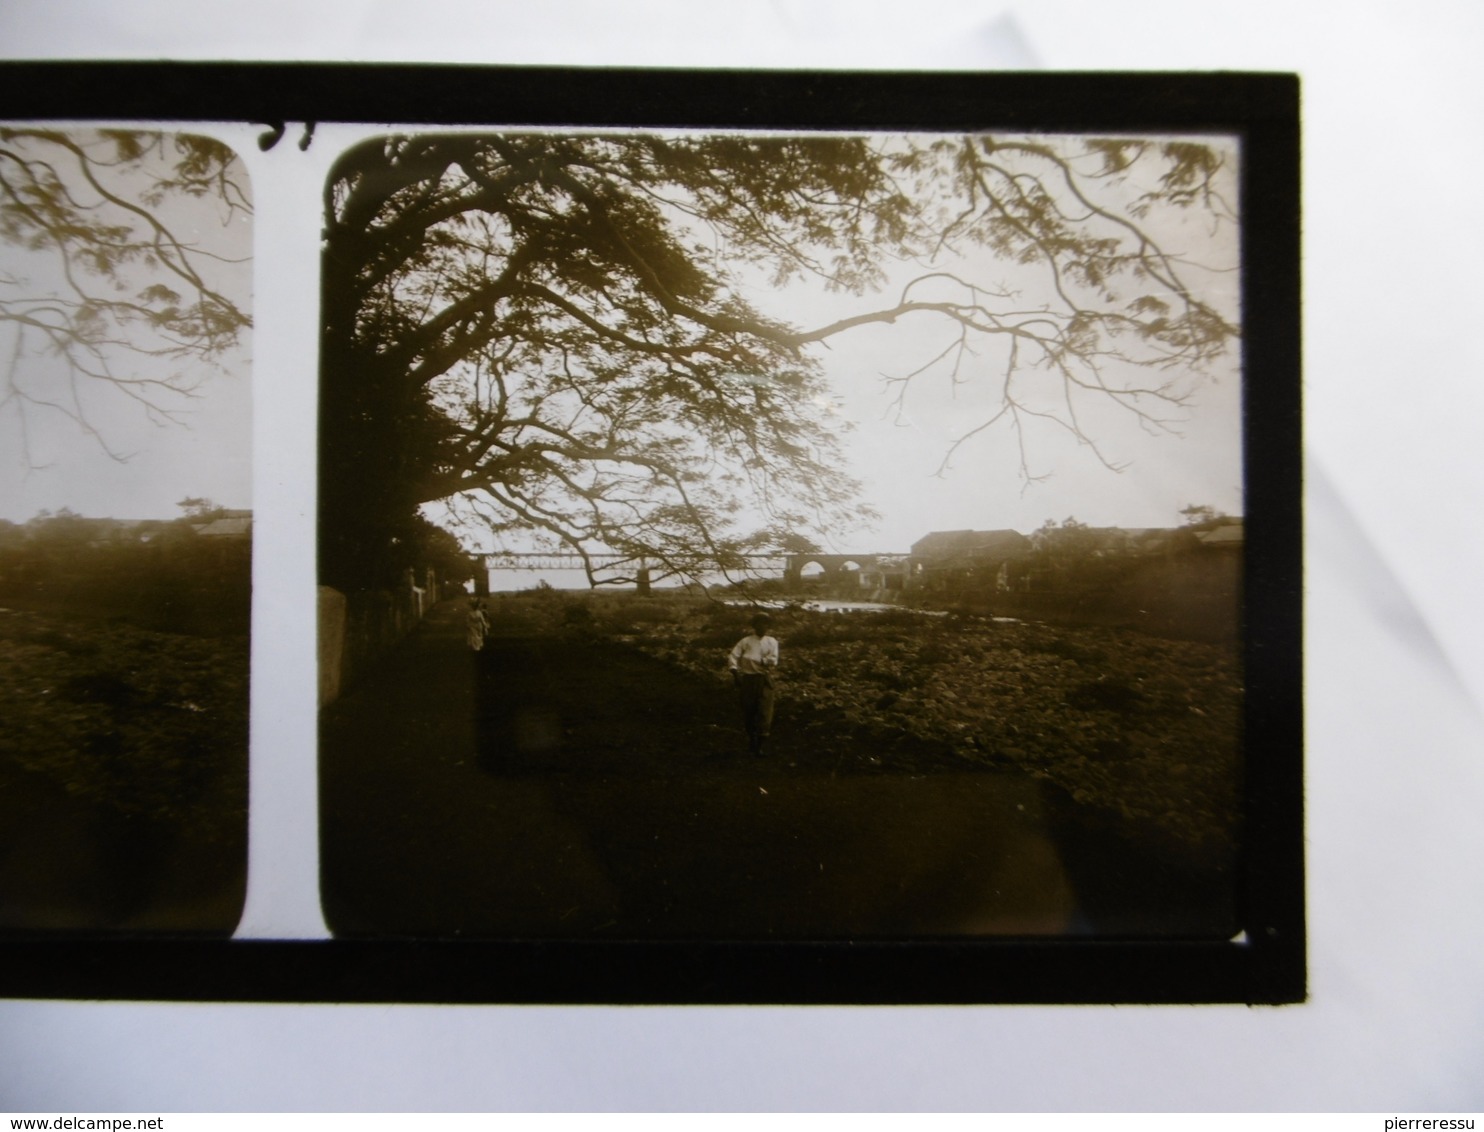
point(805, 557)
point(725, 538)
point(758, 536)
point(125, 531)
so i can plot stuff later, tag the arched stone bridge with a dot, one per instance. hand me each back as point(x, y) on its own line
point(833, 566)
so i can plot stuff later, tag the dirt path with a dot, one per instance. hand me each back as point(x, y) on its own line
point(554, 787)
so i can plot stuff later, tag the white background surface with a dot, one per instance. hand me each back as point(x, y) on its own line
point(1396, 664)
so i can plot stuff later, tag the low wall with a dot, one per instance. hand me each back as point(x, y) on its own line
point(356, 629)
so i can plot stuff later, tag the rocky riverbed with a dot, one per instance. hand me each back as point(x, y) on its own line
point(143, 723)
point(1138, 731)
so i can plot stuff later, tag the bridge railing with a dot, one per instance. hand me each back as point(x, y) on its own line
point(510, 560)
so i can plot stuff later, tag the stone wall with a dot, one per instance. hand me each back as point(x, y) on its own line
point(356, 629)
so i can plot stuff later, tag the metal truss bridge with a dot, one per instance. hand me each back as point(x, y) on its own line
point(506, 560)
point(790, 566)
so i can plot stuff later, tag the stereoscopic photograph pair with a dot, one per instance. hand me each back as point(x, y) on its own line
point(773, 537)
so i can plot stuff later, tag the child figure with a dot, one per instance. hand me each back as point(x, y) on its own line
point(752, 662)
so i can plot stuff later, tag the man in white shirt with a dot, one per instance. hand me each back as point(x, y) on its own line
point(752, 662)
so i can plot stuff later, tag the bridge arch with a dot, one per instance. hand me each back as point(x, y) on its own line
point(832, 567)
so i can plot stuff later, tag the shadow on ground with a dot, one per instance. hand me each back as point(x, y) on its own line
point(559, 787)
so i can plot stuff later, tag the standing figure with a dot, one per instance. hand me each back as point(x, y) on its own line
point(752, 662)
point(476, 625)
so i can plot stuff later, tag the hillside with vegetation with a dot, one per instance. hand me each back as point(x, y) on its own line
point(124, 665)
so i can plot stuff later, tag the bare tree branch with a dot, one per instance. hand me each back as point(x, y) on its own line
point(102, 280)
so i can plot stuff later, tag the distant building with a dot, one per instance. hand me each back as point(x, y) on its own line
point(944, 558)
point(964, 547)
point(233, 527)
point(1146, 541)
point(886, 572)
point(1230, 535)
point(121, 532)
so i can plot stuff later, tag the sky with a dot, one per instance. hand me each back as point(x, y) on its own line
point(898, 456)
point(897, 453)
point(899, 459)
point(51, 462)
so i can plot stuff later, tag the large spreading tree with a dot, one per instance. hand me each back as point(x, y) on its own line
point(109, 297)
point(553, 334)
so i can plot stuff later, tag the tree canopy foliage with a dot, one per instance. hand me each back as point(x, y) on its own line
point(556, 333)
point(102, 276)
point(1202, 516)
